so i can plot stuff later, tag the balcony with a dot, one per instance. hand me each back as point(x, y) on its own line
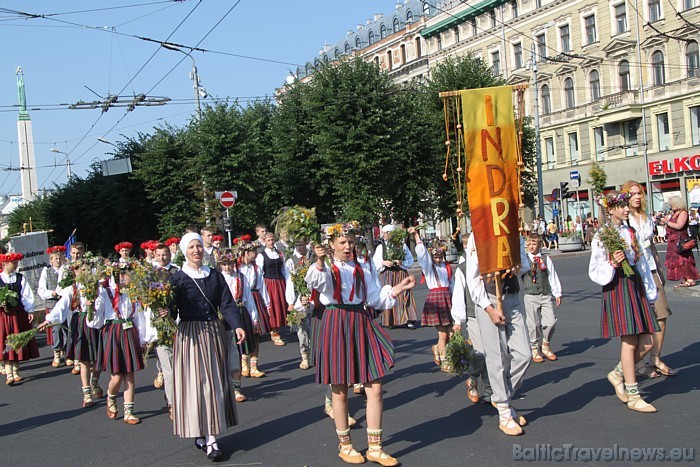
point(618, 107)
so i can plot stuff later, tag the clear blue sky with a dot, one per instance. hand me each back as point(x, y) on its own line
point(60, 59)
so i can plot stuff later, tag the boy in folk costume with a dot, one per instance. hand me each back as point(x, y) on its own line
point(503, 333)
point(283, 244)
point(123, 332)
point(300, 258)
point(210, 250)
point(15, 318)
point(77, 251)
point(542, 289)
point(463, 310)
point(260, 231)
point(123, 249)
point(271, 262)
point(83, 341)
point(257, 305)
point(49, 290)
point(627, 298)
point(351, 347)
point(438, 277)
point(392, 273)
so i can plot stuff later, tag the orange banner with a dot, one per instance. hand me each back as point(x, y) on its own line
point(492, 177)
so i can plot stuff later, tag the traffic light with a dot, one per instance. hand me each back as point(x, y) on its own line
point(226, 221)
point(564, 188)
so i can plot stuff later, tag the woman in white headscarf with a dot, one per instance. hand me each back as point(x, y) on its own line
point(203, 402)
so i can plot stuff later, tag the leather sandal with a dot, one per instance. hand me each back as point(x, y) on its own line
point(239, 396)
point(112, 414)
point(618, 383)
point(87, 400)
point(380, 457)
point(472, 391)
point(436, 355)
point(130, 419)
point(511, 429)
point(349, 455)
point(665, 369)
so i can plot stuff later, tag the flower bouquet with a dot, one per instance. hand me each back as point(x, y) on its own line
point(611, 240)
point(458, 354)
point(153, 289)
point(8, 297)
point(68, 278)
point(294, 318)
point(298, 221)
point(91, 272)
point(394, 245)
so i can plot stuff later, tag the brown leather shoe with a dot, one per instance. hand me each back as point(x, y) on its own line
point(131, 420)
point(536, 357)
point(381, 457)
point(349, 455)
point(511, 429)
point(547, 352)
point(472, 392)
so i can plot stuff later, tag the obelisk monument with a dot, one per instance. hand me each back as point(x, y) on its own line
point(26, 144)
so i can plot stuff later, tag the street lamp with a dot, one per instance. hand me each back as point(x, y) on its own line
point(194, 76)
point(58, 151)
point(102, 140)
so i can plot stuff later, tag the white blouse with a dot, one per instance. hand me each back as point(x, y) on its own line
point(645, 237)
point(62, 312)
point(104, 311)
point(426, 264)
point(254, 278)
point(26, 295)
point(246, 295)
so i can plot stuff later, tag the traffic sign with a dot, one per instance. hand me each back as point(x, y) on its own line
point(555, 212)
point(227, 199)
point(555, 193)
point(574, 175)
point(575, 183)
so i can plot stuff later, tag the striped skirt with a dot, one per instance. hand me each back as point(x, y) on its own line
point(119, 351)
point(203, 402)
point(351, 347)
point(248, 344)
point(278, 302)
point(315, 331)
point(83, 341)
point(263, 326)
point(14, 321)
point(625, 308)
point(405, 308)
point(436, 311)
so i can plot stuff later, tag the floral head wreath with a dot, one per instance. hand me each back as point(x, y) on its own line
point(340, 229)
point(217, 238)
point(228, 255)
point(172, 241)
point(437, 246)
point(55, 249)
point(11, 257)
point(617, 200)
point(244, 243)
point(121, 245)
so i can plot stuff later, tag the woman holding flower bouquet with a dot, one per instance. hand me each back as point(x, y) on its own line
point(618, 264)
point(352, 348)
point(16, 315)
point(203, 402)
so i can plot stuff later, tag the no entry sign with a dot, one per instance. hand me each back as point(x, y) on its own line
point(227, 199)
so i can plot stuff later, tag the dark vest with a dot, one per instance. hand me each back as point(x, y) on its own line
point(297, 260)
point(272, 268)
point(509, 284)
point(51, 284)
point(17, 287)
point(467, 296)
point(536, 281)
point(209, 259)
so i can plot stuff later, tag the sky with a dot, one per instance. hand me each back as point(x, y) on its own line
point(68, 50)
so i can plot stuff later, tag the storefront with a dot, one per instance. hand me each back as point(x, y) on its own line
point(677, 176)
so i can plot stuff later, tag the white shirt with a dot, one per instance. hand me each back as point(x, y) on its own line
point(459, 304)
point(42, 289)
point(602, 272)
point(104, 311)
point(62, 312)
point(254, 279)
point(246, 295)
point(289, 292)
point(322, 281)
point(200, 273)
point(645, 236)
point(475, 282)
point(378, 258)
point(26, 295)
point(426, 264)
point(552, 276)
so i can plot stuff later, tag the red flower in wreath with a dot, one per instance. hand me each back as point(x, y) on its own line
point(121, 245)
point(11, 257)
point(172, 241)
point(55, 249)
point(217, 238)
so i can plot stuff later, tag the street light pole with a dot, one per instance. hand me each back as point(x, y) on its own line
point(650, 190)
point(538, 149)
point(194, 76)
point(56, 150)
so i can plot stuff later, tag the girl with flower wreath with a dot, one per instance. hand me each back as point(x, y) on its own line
point(352, 348)
point(271, 261)
point(619, 266)
point(15, 316)
point(123, 249)
point(438, 305)
point(257, 306)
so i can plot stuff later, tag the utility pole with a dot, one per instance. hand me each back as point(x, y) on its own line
point(650, 190)
point(538, 149)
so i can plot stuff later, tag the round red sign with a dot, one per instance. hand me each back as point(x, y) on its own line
point(227, 199)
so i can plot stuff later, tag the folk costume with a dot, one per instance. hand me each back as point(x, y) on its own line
point(203, 402)
point(50, 292)
point(258, 305)
point(506, 347)
point(404, 310)
point(296, 262)
point(679, 266)
point(541, 287)
point(211, 254)
point(15, 319)
point(271, 261)
point(164, 351)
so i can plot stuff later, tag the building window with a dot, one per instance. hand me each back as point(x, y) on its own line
point(541, 41)
point(599, 141)
point(569, 93)
point(308, 69)
point(382, 31)
point(419, 52)
point(496, 62)
point(518, 55)
point(426, 9)
point(371, 38)
point(688, 4)
point(657, 63)
point(621, 18)
point(390, 60)
point(347, 48)
point(492, 15)
point(403, 53)
point(590, 29)
point(514, 9)
point(456, 34)
point(654, 10)
point(317, 64)
point(438, 41)
point(397, 25)
point(573, 148)
point(692, 58)
point(474, 28)
point(409, 16)
point(594, 80)
point(549, 149)
point(695, 125)
point(624, 73)
point(630, 132)
point(358, 43)
point(565, 37)
point(546, 100)
point(663, 132)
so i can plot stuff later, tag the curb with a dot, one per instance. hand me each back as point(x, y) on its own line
point(688, 292)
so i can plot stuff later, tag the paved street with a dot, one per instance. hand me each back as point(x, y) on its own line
point(428, 420)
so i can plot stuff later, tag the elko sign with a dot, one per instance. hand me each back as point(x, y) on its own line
point(672, 166)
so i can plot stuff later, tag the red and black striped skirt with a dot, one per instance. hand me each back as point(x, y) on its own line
point(436, 311)
point(83, 341)
point(625, 308)
point(278, 302)
point(263, 326)
point(119, 351)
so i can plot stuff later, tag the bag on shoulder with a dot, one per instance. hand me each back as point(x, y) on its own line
point(686, 244)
